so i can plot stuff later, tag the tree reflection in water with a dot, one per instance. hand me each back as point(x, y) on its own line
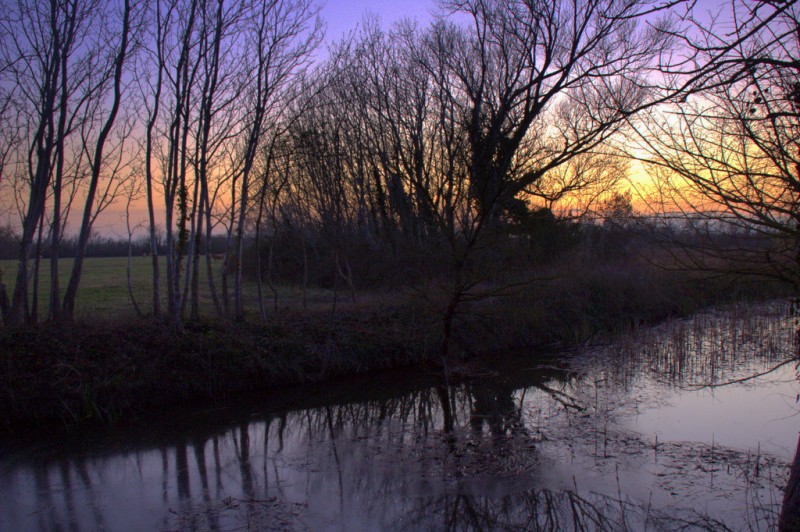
point(549, 510)
point(530, 444)
point(790, 508)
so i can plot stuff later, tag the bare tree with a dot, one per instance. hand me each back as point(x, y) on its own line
point(440, 135)
point(177, 60)
point(284, 35)
point(133, 192)
point(726, 160)
point(536, 85)
point(219, 99)
point(117, 65)
point(54, 56)
point(151, 90)
point(574, 189)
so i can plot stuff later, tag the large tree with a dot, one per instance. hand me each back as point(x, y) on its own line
point(726, 159)
point(537, 85)
point(116, 65)
point(284, 35)
point(432, 138)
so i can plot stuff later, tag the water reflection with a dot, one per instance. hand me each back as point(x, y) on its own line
point(588, 441)
point(547, 510)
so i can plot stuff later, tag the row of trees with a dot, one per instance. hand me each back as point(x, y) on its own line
point(100, 246)
point(103, 99)
point(225, 117)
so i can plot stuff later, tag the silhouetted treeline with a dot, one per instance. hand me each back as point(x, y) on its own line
point(98, 246)
point(454, 153)
point(298, 255)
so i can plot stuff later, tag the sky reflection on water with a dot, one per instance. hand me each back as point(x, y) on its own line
point(622, 435)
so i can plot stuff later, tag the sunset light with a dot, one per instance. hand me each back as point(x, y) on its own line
point(545, 227)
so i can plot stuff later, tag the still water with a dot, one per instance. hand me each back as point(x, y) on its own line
point(631, 435)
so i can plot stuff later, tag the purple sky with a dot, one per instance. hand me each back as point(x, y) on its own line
point(344, 15)
point(341, 17)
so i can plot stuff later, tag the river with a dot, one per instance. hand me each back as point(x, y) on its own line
point(661, 429)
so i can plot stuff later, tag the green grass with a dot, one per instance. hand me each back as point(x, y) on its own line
point(103, 291)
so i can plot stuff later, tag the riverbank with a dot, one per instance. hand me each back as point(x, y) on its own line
point(626, 434)
point(105, 371)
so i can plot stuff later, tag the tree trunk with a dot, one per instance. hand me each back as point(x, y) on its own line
point(790, 511)
point(19, 300)
point(262, 312)
point(449, 315)
point(18, 313)
point(42, 146)
point(4, 304)
point(305, 270)
point(192, 259)
point(194, 313)
point(54, 312)
point(226, 268)
point(212, 288)
point(33, 316)
point(151, 123)
point(86, 223)
point(270, 281)
point(170, 259)
point(128, 275)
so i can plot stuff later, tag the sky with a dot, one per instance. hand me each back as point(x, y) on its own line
point(341, 17)
point(344, 15)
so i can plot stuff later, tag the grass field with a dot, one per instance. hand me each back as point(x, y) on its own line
point(104, 287)
point(104, 293)
point(109, 363)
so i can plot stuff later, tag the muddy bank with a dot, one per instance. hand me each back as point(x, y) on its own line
point(104, 372)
